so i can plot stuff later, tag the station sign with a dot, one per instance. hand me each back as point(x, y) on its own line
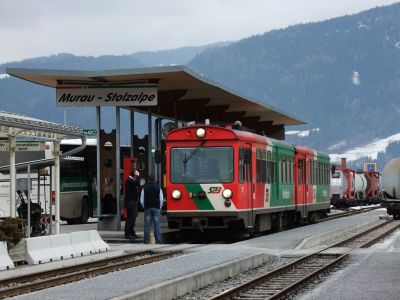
point(23, 146)
point(144, 95)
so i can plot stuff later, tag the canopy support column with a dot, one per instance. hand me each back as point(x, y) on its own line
point(98, 191)
point(132, 120)
point(12, 142)
point(118, 165)
point(149, 143)
point(57, 184)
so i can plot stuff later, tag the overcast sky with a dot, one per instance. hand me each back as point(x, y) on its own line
point(97, 27)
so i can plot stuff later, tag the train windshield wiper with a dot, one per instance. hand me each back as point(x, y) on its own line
point(193, 152)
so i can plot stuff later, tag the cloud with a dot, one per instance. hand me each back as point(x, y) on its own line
point(97, 27)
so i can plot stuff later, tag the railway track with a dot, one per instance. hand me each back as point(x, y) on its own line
point(42, 280)
point(279, 283)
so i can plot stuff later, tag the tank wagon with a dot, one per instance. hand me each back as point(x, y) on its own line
point(225, 178)
point(391, 188)
point(351, 188)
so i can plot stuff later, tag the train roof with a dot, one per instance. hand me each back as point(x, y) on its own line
point(182, 94)
point(181, 134)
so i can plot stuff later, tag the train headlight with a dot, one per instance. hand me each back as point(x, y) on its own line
point(227, 194)
point(176, 194)
point(200, 132)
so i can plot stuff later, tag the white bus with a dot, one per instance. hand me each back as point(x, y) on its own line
point(77, 200)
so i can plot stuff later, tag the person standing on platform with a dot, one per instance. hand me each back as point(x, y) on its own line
point(132, 185)
point(152, 199)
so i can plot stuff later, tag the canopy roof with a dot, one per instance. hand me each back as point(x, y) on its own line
point(182, 95)
point(24, 126)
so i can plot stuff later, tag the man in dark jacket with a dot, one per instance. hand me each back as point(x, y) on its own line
point(152, 199)
point(132, 186)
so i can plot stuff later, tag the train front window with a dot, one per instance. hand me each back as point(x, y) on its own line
point(201, 165)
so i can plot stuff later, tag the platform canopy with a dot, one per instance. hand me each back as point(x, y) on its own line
point(18, 125)
point(182, 95)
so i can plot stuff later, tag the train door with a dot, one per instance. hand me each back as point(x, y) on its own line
point(301, 184)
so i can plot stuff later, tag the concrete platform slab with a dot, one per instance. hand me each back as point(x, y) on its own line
point(159, 280)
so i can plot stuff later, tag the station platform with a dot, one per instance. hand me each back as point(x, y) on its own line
point(115, 237)
point(207, 264)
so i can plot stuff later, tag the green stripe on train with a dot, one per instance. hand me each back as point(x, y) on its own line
point(281, 195)
point(202, 204)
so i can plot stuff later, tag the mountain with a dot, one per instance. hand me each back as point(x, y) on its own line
point(340, 75)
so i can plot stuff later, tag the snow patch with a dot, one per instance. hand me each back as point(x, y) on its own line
point(337, 146)
point(303, 133)
point(361, 25)
point(355, 78)
point(370, 150)
point(3, 76)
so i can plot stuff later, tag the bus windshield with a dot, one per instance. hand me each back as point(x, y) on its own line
point(201, 165)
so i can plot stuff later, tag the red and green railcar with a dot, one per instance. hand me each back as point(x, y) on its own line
point(221, 178)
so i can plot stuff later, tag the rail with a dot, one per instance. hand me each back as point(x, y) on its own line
point(284, 280)
point(42, 280)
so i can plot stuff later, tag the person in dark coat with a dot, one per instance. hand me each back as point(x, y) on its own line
point(152, 199)
point(132, 185)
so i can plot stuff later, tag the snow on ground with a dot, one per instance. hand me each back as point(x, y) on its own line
point(366, 206)
point(2, 76)
point(390, 243)
point(370, 150)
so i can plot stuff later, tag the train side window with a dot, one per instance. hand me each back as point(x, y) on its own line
point(300, 171)
point(284, 168)
point(291, 169)
point(249, 165)
point(264, 166)
point(274, 168)
point(258, 166)
point(242, 165)
point(318, 173)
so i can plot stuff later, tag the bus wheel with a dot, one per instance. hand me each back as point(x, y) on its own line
point(84, 211)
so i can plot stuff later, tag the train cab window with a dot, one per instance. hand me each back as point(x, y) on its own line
point(201, 165)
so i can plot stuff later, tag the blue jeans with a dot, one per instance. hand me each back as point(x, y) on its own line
point(152, 215)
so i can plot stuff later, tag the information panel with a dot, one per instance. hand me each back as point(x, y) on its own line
point(106, 96)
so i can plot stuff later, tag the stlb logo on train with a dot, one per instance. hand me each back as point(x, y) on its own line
point(215, 190)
